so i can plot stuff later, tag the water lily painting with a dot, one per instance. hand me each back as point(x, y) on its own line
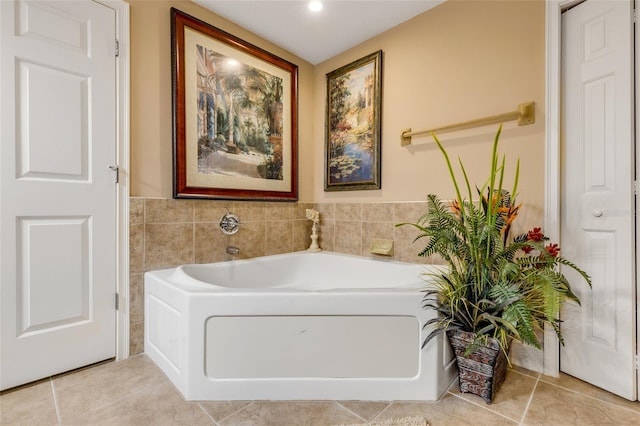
point(353, 125)
point(235, 116)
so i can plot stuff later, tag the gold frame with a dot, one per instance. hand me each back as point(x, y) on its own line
point(353, 125)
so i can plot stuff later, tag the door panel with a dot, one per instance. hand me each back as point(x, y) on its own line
point(52, 250)
point(54, 25)
point(58, 204)
point(37, 156)
point(597, 202)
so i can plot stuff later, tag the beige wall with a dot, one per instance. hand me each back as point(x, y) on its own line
point(458, 61)
point(151, 128)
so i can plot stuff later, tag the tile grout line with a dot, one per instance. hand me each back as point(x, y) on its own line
point(350, 411)
point(141, 390)
point(237, 411)
point(577, 392)
point(144, 246)
point(55, 402)
point(526, 408)
point(206, 413)
point(485, 407)
point(375, 418)
point(145, 390)
point(481, 406)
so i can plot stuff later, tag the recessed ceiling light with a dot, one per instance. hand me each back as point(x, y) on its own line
point(315, 6)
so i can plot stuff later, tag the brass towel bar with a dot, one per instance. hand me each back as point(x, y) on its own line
point(525, 114)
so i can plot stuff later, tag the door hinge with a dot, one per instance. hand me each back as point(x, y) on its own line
point(117, 48)
point(117, 302)
point(116, 169)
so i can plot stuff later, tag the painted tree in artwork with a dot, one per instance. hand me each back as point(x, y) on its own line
point(240, 111)
point(339, 96)
point(206, 102)
point(233, 91)
point(265, 98)
point(269, 91)
point(339, 93)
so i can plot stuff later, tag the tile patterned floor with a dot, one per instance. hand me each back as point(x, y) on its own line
point(136, 392)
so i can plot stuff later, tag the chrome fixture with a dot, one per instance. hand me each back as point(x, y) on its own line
point(116, 169)
point(233, 250)
point(229, 224)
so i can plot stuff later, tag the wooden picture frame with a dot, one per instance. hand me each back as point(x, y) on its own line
point(235, 116)
point(353, 125)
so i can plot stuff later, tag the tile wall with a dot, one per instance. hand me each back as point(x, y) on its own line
point(165, 233)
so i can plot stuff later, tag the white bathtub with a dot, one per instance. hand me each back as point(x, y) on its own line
point(297, 326)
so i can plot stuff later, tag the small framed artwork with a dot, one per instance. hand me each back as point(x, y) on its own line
point(235, 125)
point(352, 133)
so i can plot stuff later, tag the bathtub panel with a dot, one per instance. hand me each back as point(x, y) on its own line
point(322, 346)
point(315, 333)
point(164, 331)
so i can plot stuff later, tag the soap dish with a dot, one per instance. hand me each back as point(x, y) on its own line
point(381, 246)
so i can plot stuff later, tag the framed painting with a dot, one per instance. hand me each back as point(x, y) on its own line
point(235, 109)
point(352, 134)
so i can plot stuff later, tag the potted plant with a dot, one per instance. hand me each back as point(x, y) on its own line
point(496, 289)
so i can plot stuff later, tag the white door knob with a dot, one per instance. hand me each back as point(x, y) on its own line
point(597, 213)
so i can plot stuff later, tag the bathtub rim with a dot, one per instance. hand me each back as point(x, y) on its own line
point(180, 277)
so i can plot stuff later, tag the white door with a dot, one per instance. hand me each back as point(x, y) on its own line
point(58, 193)
point(597, 207)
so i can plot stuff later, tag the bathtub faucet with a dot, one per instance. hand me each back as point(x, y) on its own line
point(229, 224)
point(233, 250)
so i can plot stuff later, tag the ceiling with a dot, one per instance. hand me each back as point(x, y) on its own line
point(316, 37)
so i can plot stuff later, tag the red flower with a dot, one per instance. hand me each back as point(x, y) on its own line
point(527, 249)
point(535, 235)
point(553, 250)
